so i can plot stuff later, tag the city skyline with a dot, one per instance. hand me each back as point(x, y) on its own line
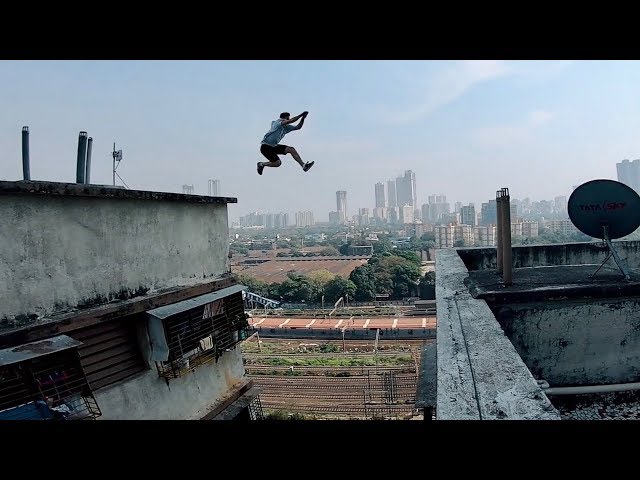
point(556, 204)
point(464, 127)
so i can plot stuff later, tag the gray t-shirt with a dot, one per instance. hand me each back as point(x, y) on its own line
point(277, 132)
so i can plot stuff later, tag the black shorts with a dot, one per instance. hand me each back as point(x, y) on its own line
point(271, 153)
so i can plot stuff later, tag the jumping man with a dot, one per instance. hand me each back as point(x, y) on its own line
point(270, 146)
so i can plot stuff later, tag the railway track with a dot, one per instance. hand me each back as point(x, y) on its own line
point(345, 383)
point(360, 411)
point(304, 356)
point(362, 391)
point(326, 370)
point(379, 396)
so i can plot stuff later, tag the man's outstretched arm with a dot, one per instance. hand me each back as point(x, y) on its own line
point(304, 115)
point(294, 119)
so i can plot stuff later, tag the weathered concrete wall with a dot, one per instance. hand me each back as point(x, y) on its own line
point(58, 252)
point(148, 397)
point(480, 374)
point(552, 254)
point(576, 342)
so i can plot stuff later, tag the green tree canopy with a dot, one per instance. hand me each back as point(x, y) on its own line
point(339, 287)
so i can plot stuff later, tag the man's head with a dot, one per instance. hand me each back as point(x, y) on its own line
point(285, 115)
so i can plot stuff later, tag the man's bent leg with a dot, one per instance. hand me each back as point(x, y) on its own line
point(277, 163)
point(294, 154)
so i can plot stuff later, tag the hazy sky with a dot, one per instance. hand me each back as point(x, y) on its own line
point(466, 128)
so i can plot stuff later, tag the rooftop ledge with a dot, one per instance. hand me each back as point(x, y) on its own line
point(480, 376)
point(101, 191)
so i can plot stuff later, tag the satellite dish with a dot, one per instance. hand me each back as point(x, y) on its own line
point(605, 209)
point(599, 203)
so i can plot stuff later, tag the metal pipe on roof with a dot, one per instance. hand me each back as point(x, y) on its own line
point(498, 232)
point(88, 166)
point(614, 387)
point(82, 158)
point(507, 262)
point(26, 173)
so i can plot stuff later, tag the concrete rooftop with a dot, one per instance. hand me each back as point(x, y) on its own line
point(553, 282)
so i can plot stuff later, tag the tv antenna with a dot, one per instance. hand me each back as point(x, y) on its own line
point(605, 209)
point(117, 157)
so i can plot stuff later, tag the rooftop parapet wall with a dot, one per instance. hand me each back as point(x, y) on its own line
point(480, 376)
point(578, 253)
point(65, 246)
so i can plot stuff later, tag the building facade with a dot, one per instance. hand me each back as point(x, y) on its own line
point(341, 205)
point(214, 188)
point(380, 196)
point(304, 219)
point(132, 314)
point(629, 173)
point(468, 215)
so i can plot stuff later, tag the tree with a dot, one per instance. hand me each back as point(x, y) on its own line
point(427, 286)
point(254, 285)
point(329, 252)
point(339, 287)
point(405, 277)
point(344, 248)
point(428, 237)
point(297, 288)
point(410, 255)
point(319, 280)
point(362, 278)
point(382, 247)
point(396, 275)
point(238, 248)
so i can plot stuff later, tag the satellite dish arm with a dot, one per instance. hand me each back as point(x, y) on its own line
point(616, 258)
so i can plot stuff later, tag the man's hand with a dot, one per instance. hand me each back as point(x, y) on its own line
point(304, 114)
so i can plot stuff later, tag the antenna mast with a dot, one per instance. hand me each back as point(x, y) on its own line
point(117, 157)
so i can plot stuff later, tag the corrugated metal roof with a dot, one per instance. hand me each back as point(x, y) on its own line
point(183, 306)
point(27, 351)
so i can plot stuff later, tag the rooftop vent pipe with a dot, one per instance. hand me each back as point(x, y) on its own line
point(26, 173)
point(503, 214)
point(81, 167)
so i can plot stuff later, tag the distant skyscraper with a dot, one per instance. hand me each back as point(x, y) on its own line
point(629, 173)
point(560, 204)
point(393, 215)
point(392, 198)
point(437, 198)
point(457, 206)
point(214, 188)
point(488, 213)
point(406, 189)
point(363, 216)
point(304, 219)
point(468, 215)
point(438, 207)
point(380, 213)
point(406, 214)
point(188, 189)
point(341, 204)
point(426, 218)
point(380, 199)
